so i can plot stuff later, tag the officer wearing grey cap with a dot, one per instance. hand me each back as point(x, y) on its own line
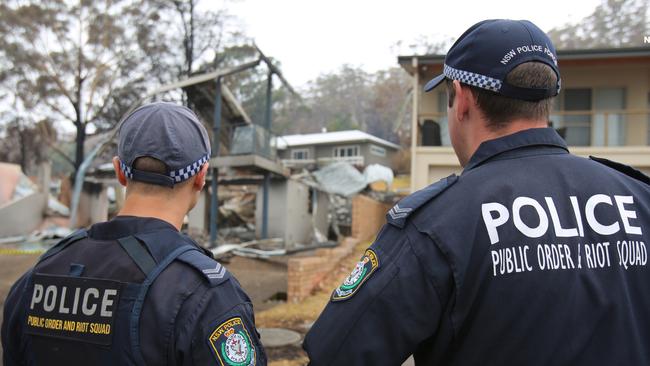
point(134, 290)
point(531, 256)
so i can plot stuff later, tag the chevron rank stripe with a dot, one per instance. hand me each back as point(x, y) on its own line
point(217, 272)
point(397, 212)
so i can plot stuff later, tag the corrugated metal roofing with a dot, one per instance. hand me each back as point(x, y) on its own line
point(331, 138)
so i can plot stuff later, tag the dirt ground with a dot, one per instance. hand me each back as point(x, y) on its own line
point(11, 268)
point(264, 280)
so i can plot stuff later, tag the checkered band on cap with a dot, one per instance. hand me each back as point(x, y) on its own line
point(126, 170)
point(189, 171)
point(179, 175)
point(470, 78)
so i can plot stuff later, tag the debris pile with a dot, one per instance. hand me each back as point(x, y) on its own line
point(236, 216)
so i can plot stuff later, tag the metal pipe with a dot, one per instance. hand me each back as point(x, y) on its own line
point(216, 138)
point(267, 152)
point(261, 253)
point(277, 71)
point(268, 115)
point(265, 206)
point(78, 184)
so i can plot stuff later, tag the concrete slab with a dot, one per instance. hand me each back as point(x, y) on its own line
point(22, 216)
point(278, 337)
point(261, 279)
point(249, 162)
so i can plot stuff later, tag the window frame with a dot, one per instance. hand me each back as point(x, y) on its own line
point(337, 149)
point(304, 151)
point(378, 150)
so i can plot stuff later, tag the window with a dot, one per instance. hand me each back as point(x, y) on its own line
point(300, 154)
point(377, 150)
point(346, 151)
point(609, 128)
point(577, 127)
point(586, 129)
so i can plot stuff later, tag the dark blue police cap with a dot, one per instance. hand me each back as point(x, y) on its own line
point(485, 54)
point(168, 132)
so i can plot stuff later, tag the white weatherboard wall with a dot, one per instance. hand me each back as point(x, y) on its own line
point(433, 163)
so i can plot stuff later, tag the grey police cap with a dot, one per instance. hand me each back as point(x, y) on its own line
point(168, 132)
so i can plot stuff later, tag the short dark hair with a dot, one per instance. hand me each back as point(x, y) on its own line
point(500, 110)
point(151, 165)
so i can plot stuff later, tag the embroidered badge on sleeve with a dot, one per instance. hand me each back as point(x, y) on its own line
point(232, 344)
point(361, 272)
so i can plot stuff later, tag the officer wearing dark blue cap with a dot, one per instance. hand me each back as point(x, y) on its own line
point(134, 290)
point(532, 256)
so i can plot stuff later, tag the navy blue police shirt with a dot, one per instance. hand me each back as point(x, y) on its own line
point(130, 291)
point(532, 256)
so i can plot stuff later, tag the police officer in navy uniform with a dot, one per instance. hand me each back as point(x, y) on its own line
point(531, 256)
point(134, 290)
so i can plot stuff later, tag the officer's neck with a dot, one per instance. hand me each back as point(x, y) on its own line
point(154, 206)
point(476, 136)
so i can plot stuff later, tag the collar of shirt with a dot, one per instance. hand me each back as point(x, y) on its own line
point(122, 226)
point(526, 138)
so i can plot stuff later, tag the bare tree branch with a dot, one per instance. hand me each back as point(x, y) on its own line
point(60, 152)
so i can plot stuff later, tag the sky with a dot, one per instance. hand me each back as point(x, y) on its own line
point(311, 37)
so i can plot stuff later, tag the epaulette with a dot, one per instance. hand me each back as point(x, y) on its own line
point(625, 169)
point(403, 209)
point(212, 270)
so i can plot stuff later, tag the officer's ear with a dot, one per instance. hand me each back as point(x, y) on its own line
point(118, 171)
point(463, 100)
point(199, 181)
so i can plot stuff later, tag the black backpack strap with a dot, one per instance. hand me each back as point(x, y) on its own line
point(137, 251)
point(64, 243)
point(625, 169)
point(134, 323)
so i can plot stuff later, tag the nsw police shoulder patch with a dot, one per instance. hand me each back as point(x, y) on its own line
point(232, 344)
point(366, 266)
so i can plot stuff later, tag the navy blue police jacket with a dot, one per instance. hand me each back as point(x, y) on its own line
point(131, 291)
point(532, 256)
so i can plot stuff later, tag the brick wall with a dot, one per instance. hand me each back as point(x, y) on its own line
point(305, 273)
point(368, 216)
